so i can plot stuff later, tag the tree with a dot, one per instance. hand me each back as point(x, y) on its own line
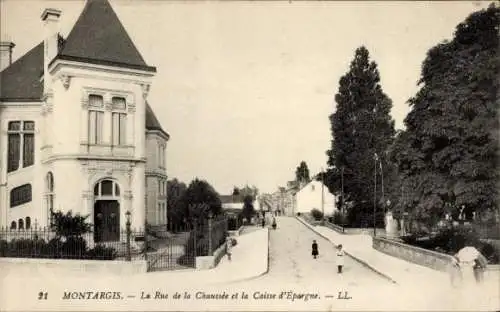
point(248, 208)
point(201, 198)
point(249, 191)
point(448, 154)
point(302, 173)
point(236, 191)
point(361, 127)
point(177, 210)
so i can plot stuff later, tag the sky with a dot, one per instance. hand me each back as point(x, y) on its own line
point(245, 88)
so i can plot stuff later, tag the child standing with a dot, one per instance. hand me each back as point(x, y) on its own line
point(229, 247)
point(315, 249)
point(340, 258)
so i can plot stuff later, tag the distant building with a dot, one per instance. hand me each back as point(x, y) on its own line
point(233, 204)
point(315, 195)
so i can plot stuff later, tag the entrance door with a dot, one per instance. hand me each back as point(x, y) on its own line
point(106, 221)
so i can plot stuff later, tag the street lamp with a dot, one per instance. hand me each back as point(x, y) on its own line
point(375, 157)
point(323, 196)
point(342, 203)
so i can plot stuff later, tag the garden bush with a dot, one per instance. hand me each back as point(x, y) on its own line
point(451, 240)
point(317, 214)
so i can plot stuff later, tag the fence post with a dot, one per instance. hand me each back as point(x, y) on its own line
point(195, 234)
point(210, 252)
point(127, 226)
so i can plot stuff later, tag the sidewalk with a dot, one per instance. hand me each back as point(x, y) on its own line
point(249, 259)
point(406, 274)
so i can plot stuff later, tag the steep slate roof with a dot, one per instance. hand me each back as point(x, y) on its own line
point(21, 81)
point(152, 122)
point(99, 37)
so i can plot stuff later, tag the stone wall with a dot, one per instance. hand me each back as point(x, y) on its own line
point(428, 258)
point(210, 262)
point(236, 232)
point(74, 267)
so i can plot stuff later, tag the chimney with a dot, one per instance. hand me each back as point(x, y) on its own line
point(50, 18)
point(6, 48)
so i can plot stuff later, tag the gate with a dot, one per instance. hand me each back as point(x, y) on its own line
point(180, 248)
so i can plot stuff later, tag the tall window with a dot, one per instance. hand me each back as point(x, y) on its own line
point(13, 225)
point(21, 224)
point(20, 195)
point(119, 119)
point(49, 188)
point(21, 144)
point(96, 117)
point(28, 223)
point(161, 156)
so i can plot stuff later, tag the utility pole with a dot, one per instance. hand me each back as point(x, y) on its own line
point(375, 195)
point(382, 184)
point(342, 203)
point(323, 195)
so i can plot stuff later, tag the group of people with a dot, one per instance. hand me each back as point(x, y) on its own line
point(274, 224)
point(339, 255)
point(465, 271)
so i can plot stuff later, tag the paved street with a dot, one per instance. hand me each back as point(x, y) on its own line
point(291, 262)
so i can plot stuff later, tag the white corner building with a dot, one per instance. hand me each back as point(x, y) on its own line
point(77, 132)
point(315, 195)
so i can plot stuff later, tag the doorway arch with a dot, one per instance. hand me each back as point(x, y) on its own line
point(106, 211)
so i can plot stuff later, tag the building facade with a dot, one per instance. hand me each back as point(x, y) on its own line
point(315, 195)
point(77, 131)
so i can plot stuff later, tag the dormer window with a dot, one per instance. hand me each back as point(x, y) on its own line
point(119, 120)
point(96, 117)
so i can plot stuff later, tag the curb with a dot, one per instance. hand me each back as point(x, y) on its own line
point(362, 262)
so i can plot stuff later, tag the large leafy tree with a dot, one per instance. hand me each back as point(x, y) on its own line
point(361, 127)
point(200, 199)
point(177, 210)
point(448, 155)
point(302, 173)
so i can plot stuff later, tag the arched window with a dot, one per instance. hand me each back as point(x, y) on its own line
point(13, 225)
point(106, 188)
point(21, 224)
point(28, 223)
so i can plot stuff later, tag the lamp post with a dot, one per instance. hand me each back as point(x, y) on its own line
point(375, 156)
point(342, 203)
point(322, 196)
point(127, 226)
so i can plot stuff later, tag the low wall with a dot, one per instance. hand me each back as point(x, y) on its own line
point(209, 262)
point(236, 232)
point(354, 231)
point(105, 267)
point(428, 258)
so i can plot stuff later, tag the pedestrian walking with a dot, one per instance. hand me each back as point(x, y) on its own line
point(340, 258)
point(478, 271)
point(315, 252)
point(455, 272)
point(229, 247)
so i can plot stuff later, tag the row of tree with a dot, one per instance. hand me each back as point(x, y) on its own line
point(188, 202)
point(447, 156)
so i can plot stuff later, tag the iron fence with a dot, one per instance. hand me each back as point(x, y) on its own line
point(162, 249)
point(45, 243)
